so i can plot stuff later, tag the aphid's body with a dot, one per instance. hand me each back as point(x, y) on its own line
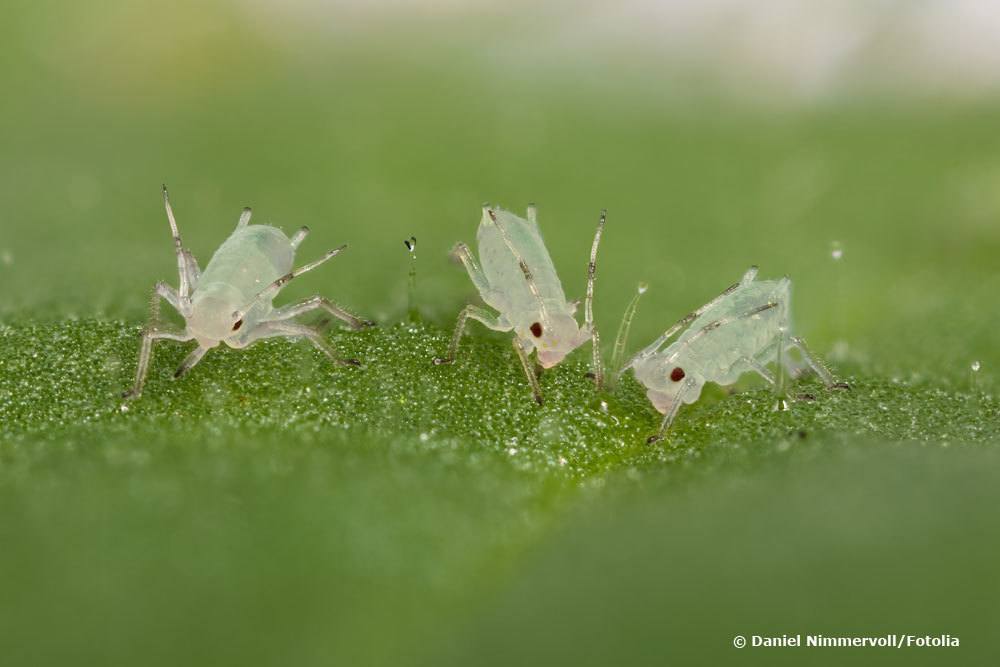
point(518, 279)
point(741, 330)
point(231, 301)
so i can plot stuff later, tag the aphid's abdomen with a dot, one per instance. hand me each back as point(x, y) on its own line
point(503, 271)
point(718, 355)
point(250, 259)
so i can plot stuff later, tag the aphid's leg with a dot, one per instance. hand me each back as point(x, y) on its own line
point(299, 236)
point(244, 218)
point(463, 253)
point(193, 275)
point(816, 364)
point(286, 329)
point(271, 290)
point(668, 418)
point(529, 371)
point(169, 294)
point(146, 356)
point(653, 347)
point(749, 276)
point(488, 319)
point(597, 364)
point(318, 303)
point(760, 369)
point(190, 361)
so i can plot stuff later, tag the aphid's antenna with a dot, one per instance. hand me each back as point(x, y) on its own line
point(274, 287)
point(411, 286)
point(184, 288)
point(299, 236)
point(712, 326)
point(621, 340)
point(588, 305)
point(653, 347)
point(528, 277)
point(244, 218)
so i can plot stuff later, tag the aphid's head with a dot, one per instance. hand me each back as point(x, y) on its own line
point(554, 339)
point(214, 319)
point(667, 383)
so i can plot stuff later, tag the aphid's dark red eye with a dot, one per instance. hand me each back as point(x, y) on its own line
point(239, 323)
point(536, 330)
point(677, 374)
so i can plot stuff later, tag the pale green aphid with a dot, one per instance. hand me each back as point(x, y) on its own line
point(741, 330)
point(231, 301)
point(518, 279)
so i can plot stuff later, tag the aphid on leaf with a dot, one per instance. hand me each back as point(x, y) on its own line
point(518, 279)
point(741, 330)
point(231, 301)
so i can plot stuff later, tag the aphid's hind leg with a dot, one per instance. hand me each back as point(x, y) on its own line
point(318, 303)
point(529, 371)
point(464, 255)
point(816, 364)
point(286, 329)
point(668, 418)
point(760, 369)
point(298, 237)
point(485, 317)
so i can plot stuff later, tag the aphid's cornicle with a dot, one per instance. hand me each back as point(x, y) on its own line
point(741, 330)
point(225, 304)
point(518, 279)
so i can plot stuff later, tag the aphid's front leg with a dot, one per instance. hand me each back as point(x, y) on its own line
point(816, 364)
point(146, 355)
point(529, 371)
point(152, 332)
point(488, 319)
point(318, 303)
point(285, 329)
point(190, 361)
point(668, 417)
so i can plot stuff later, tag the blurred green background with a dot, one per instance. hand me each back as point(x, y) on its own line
point(232, 519)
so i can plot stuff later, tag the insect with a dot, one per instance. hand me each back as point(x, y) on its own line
point(230, 302)
point(739, 331)
point(517, 279)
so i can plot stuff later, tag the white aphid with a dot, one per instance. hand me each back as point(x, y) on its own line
point(231, 301)
point(518, 279)
point(742, 330)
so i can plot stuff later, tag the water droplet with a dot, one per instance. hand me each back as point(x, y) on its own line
point(976, 366)
point(836, 251)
